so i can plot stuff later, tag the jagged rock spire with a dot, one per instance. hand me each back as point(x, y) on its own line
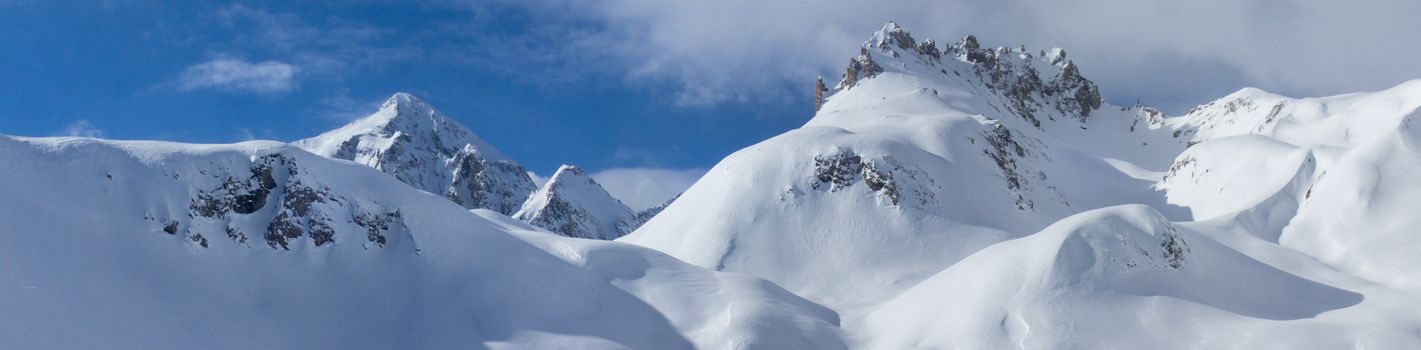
point(1029, 86)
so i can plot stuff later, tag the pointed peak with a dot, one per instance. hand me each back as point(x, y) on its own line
point(408, 119)
point(892, 35)
point(405, 111)
point(568, 170)
point(970, 43)
point(891, 27)
point(575, 205)
point(1055, 56)
point(404, 101)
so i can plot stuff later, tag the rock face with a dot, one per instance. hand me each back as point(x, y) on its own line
point(270, 198)
point(575, 205)
point(1029, 86)
point(422, 147)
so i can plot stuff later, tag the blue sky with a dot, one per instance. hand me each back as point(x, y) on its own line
point(132, 71)
point(670, 87)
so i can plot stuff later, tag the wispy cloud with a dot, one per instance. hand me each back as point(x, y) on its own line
point(239, 76)
point(733, 50)
point(325, 46)
point(299, 50)
point(83, 128)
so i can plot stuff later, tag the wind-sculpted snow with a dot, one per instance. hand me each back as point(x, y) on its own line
point(424, 148)
point(143, 245)
point(1115, 277)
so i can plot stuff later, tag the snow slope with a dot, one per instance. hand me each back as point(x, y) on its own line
point(573, 204)
point(968, 197)
point(903, 172)
point(262, 245)
point(409, 139)
point(1335, 184)
point(954, 197)
point(1125, 277)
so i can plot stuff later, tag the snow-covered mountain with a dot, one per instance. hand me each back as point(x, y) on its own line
point(414, 142)
point(943, 196)
point(1331, 177)
point(919, 158)
point(573, 204)
point(141, 245)
point(971, 197)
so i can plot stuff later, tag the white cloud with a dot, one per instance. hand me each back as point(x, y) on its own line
point(641, 188)
point(239, 76)
point(732, 50)
point(83, 128)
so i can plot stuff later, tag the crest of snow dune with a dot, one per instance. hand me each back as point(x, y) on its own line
point(574, 205)
point(414, 142)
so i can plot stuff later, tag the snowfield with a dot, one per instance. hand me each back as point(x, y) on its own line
point(944, 196)
point(112, 247)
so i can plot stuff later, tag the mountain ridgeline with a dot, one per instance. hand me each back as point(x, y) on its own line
point(960, 196)
point(412, 141)
point(943, 197)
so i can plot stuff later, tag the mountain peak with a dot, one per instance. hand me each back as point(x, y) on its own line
point(1033, 85)
point(419, 145)
point(575, 205)
point(566, 172)
point(404, 110)
point(892, 34)
point(401, 97)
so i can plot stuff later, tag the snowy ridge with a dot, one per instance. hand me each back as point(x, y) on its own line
point(1341, 204)
point(941, 197)
point(966, 197)
point(574, 205)
point(1120, 277)
point(906, 170)
point(409, 139)
point(118, 244)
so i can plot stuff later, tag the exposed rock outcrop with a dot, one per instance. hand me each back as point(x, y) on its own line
point(422, 147)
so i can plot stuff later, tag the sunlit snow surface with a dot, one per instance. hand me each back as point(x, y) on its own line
point(89, 263)
point(945, 196)
point(1304, 236)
